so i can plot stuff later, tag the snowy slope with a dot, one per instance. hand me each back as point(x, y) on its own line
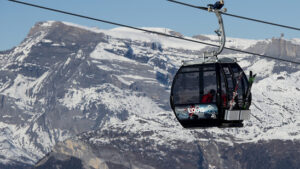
point(271, 118)
point(65, 79)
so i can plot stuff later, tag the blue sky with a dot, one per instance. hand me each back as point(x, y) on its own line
point(16, 20)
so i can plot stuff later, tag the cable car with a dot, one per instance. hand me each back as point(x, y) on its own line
point(202, 94)
point(209, 91)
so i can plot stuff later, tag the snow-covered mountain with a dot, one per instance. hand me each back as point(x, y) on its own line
point(100, 98)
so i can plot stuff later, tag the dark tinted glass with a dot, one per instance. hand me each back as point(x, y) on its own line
point(186, 88)
point(245, 83)
point(209, 87)
point(226, 70)
point(209, 68)
point(223, 90)
point(238, 79)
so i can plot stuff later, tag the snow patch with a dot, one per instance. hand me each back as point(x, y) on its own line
point(46, 41)
point(295, 41)
point(47, 24)
point(101, 53)
point(96, 30)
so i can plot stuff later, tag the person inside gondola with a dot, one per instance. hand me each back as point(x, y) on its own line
point(209, 97)
point(224, 99)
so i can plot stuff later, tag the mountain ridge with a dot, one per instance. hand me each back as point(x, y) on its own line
point(65, 79)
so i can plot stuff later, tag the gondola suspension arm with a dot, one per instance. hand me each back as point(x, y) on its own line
point(221, 33)
point(213, 55)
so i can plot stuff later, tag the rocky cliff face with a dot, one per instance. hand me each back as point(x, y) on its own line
point(278, 48)
point(77, 97)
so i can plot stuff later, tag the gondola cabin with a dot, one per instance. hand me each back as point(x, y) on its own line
point(202, 94)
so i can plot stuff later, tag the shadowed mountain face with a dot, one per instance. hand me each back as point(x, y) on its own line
point(78, 97)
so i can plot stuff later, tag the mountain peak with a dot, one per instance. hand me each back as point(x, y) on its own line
point(65, 79)
point(39, 26)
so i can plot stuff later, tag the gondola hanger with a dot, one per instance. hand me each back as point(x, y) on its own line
point(209, 91)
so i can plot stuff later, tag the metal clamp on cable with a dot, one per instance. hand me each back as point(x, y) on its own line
point(217, 6)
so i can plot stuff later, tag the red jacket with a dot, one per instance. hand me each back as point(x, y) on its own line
point(208, 98)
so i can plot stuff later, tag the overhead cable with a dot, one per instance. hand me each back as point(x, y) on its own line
point(237, 16)
point(149, 31)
